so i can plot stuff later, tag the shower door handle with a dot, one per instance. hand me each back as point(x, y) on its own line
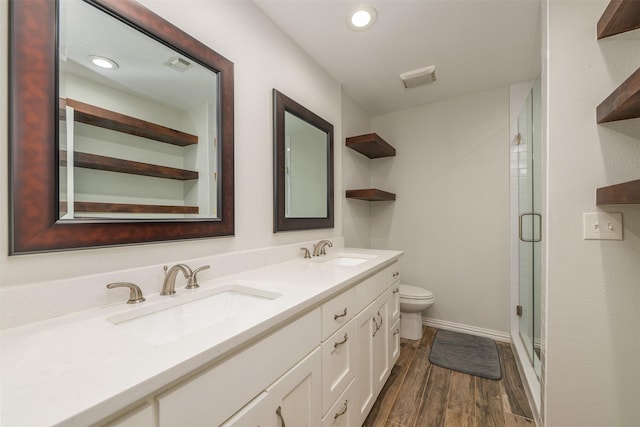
point(534, 240)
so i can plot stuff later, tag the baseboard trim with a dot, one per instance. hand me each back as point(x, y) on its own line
point(467, 329)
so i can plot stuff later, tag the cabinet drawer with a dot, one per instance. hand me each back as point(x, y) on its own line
point(140, 417)
point(374, 286)
point(337, 312)
point(338, 364)
point(343, 412)
point(213, 396)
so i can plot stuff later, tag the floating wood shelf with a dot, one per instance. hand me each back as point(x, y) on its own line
point(96, 116)
point(371, 195)
point(623, 103)
point(111, 164)
point(93, 207)
point(620, 16)
point(627, 193)
point(371, 145)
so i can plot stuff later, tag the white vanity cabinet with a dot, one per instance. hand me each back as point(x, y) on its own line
point(324, 369)
point(294, 399)
point(212, 397)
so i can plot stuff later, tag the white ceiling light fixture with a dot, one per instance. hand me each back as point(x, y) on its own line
point(104, 62)
point(362, 18)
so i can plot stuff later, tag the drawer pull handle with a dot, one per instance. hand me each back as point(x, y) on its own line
point(396, 290)
point(396, 274)
point(339, 343)
point(396, 332)
point(279, 414)
point(378, 325)
point(344, 411)
point(337, 316)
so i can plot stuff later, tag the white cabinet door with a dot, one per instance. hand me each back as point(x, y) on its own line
point(394, 343)
point(254, 414)
point(213, 396)
point(366, 325)
point(380, 346)
point(295, 398)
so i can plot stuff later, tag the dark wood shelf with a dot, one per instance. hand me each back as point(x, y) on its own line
point(620, 16)
point(111, 164)
point(371, 145)
point(371, 195)
point(94, 207)
point(96, 116)
point(623, 103)
point(627, 193)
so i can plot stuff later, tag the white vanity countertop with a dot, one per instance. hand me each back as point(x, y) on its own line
point(77, 369)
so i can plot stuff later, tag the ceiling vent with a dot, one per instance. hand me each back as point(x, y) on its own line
point(179, 64)
point(419, 77)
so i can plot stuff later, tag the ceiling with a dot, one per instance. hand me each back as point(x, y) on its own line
point(475, 45)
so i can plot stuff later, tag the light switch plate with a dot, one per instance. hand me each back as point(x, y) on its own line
point(602, 225)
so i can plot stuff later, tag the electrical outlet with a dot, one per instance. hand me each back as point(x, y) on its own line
point(602, 226)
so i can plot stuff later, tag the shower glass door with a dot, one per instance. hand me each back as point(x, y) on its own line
point(530, 223)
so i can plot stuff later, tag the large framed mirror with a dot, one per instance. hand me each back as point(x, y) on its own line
point(121, 128)
point(303, 167)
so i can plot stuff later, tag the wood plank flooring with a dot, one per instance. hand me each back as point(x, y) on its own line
point(419, 394)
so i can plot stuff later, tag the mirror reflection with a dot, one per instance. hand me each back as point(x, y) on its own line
point(303, 167)
point(138, 122)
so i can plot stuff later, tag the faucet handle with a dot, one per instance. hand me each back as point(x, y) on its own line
point(135, 294)
point(192, 282)
point(307, 254)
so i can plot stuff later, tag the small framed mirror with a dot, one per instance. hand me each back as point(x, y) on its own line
point(303, 167)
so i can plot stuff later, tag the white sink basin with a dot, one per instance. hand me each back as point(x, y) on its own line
point(348, 260)
point(185, 315)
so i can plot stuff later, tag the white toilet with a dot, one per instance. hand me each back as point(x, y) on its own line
point(413, 301)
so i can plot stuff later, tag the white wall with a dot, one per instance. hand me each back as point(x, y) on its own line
point(264, 59)
point(356, 173)
point(592, 322)
point(451, 216)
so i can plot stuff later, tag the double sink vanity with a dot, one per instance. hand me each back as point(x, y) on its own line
point(304, 342)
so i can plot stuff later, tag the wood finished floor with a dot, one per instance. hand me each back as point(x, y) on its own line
point(419, 394)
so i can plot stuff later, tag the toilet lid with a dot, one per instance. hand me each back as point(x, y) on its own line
point(414, 292)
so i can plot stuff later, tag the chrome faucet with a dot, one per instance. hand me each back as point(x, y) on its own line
point(169, 284)
point(192, 281)
point(319, 248)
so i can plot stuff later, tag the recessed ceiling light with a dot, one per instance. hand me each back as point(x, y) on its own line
point(361, 18)
point(103, 62)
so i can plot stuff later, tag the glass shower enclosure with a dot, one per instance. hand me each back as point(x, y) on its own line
point(529, 163)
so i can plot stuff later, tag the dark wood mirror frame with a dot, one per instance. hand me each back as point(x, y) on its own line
point(33, 130)
point(282, 103)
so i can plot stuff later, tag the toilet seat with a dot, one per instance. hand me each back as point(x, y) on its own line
point(415, 293)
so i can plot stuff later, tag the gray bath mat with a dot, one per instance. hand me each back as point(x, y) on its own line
point(466, 353)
